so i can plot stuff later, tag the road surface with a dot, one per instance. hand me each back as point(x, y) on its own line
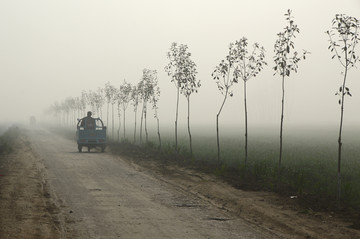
point(103, 196)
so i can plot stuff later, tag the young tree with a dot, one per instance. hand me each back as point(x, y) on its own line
point(109, 91)
point(70, 105)
point(225, 75)
point(146, 91)
point(343, 38)
point(172, 70)
point(154, 100)
point(118, 102)
point(99, 100)
point(125, 91)
point(286, 61)
point(96, 100)
point(248, 65)
point(110, 95)
point(91, 100)
point(140, 87)
point(113, 102)
point(135, 102)
point(189, 85)
point(55, 110)
point(78, 106)
point(83, 103)
point(182, 71)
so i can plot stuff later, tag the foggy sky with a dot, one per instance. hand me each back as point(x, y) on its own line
point(50, 50)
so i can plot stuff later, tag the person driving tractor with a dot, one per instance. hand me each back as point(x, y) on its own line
point(90, 133)
point(88, 121)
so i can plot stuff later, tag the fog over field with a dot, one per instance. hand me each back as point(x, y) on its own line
point(50, 50)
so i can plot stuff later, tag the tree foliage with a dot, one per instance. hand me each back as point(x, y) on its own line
point(225, 75)
point(125, 97)
point(248, 65)
point(286, 58)
point(182, 71)
point(224, 70)
point(286, 61)
point(146, 91)
point(154, 101)
point(135, 100)
point(343, 38)
point(110, 95)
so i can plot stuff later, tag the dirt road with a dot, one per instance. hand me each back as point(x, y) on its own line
point(49, 190)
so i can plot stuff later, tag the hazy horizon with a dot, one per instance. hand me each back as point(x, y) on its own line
point(51, 50)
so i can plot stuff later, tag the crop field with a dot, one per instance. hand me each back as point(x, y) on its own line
point(309, 164)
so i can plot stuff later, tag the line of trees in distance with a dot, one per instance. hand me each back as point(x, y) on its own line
point(243, 61)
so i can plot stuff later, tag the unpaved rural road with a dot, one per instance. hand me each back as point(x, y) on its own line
point(49, 190)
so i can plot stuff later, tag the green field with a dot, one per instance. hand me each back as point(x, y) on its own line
point(309, 165)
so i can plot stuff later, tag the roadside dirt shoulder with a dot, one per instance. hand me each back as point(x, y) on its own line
point(280, 216)
point(26, 208)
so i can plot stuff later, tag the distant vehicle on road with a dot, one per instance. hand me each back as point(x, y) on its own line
point(91, 133)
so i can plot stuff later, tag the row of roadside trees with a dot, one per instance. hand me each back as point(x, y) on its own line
point(243, 62)
point(147, 91)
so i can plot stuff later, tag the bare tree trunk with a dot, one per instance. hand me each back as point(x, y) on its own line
point(135, 126)
point(107, 115)
point(141, 123)
point(119, 115)
point(118, 131)
point(112, 127)
point(146, 132)
point(158, 131)
point(217, 137)
point(282, 120)
point(176, 119)
point(188, 121)
point(246, 127)
point(340, 131)
point(124, 124)
point(217, 126)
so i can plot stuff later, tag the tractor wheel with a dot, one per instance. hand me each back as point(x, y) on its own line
point(102, 149)
point(79, 148)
